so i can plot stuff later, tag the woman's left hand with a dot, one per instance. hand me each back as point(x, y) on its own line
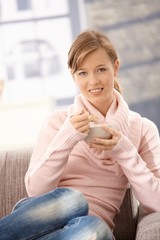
point(106, 144)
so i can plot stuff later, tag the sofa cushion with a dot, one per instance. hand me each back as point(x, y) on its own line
point(149, 227)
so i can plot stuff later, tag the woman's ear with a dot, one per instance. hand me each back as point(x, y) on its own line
point(116, 67)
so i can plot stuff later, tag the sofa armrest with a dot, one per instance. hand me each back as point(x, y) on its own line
point(149, 227)
point(13, 166)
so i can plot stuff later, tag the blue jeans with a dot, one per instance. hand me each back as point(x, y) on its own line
point(61, 214)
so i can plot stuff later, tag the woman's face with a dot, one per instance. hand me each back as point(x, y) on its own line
point(95, 79)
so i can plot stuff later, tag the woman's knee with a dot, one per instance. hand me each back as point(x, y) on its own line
point(89, 228)
point(71, 199)
point(60, 203)
point(100, 230)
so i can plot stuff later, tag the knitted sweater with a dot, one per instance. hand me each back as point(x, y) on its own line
point(61, 158)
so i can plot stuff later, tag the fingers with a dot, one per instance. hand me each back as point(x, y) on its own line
point(112, 130)
point(84, 114)
point(106, 144)
point(82, 119)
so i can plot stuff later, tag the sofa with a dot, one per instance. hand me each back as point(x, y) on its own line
point(130, 224)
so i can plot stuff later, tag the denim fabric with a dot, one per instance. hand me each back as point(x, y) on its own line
point(61, 214)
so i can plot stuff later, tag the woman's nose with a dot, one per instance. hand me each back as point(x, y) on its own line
point(92, 78)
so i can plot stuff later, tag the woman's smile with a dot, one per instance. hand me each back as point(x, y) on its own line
point(96, 91)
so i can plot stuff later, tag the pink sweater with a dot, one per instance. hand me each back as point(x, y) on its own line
point(62, 158)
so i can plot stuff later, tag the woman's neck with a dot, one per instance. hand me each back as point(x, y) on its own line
point(103, 107)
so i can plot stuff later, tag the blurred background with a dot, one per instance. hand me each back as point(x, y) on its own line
point(35, 36)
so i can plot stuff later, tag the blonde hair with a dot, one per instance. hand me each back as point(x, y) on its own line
point(87, 42)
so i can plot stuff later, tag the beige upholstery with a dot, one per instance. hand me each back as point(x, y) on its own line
point(13, 165)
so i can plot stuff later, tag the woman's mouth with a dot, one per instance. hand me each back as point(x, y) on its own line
point(96, 91)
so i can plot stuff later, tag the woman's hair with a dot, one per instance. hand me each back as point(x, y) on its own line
point(87, 42)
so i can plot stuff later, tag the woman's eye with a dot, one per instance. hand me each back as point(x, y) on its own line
point(102, 69)
point(82, 74)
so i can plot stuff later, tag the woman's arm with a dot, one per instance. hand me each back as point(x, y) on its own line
point(55, 142)
point(142, 169)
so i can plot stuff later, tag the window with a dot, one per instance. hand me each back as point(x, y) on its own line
point(23, 5)
point(33, 58)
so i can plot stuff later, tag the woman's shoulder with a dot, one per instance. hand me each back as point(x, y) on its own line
point(149, 126)
point(56, 117)
point(146, 123)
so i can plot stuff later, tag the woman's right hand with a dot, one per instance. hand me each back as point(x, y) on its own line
point(81, 121)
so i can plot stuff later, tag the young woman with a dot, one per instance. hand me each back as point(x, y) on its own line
point(75, 186)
